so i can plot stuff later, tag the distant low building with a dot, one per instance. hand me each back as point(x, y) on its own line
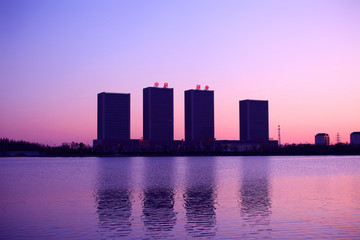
point(355, 138)
point(322, 139)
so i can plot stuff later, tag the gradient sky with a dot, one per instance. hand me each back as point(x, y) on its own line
point(302, 56)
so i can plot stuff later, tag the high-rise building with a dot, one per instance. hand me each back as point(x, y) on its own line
point(113, 116)
point(254, 121)
point(158, 113)
point(355, 138)
point(322, 139)
point(199, 115)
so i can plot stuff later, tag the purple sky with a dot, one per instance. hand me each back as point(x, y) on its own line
point(302, 56)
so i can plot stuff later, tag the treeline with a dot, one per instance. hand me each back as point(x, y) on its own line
point(297, 149)
point(80, 149)
point(72, 148)
point(312, 149)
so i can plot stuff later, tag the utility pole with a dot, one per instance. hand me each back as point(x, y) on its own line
point(279, 137)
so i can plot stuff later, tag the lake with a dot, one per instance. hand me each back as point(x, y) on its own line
point(287, 197)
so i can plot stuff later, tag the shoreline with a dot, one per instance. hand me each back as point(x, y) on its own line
point(171, 155)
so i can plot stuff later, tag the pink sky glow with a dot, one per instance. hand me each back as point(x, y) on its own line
point(302, 56)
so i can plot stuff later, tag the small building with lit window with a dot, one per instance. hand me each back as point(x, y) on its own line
point(355, 138)
point(322, 139)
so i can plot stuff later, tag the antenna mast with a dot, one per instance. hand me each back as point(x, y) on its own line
point(279, 137)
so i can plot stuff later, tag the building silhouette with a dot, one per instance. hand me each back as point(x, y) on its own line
point(355, 138)
point(158, 114)
point(113, 128)
point(113, 116)
point(254, 121)
point(322, 139)
point(199, 115)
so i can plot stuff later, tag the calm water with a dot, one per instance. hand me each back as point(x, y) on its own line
point(316, 197)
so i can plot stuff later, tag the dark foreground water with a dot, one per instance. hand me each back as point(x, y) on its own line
point(315, 197)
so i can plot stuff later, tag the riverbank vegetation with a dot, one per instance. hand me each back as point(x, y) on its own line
point(24, 148)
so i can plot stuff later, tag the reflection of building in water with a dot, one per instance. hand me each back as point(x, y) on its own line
point(114, 210)
point(158, 197)
point(255, 196)
point(113, 198)
point(200, 198)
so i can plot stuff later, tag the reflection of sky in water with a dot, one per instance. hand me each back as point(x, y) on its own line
point(200, 198)
point(180, 198)
point(255, 197)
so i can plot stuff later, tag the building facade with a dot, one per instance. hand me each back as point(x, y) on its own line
point(254, 120)
point(199, 115)
point(355, 138)
point(322, 139)
point(158, 114)
point(113, 119)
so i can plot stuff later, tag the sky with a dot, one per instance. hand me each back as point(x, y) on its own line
point(301, 56)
